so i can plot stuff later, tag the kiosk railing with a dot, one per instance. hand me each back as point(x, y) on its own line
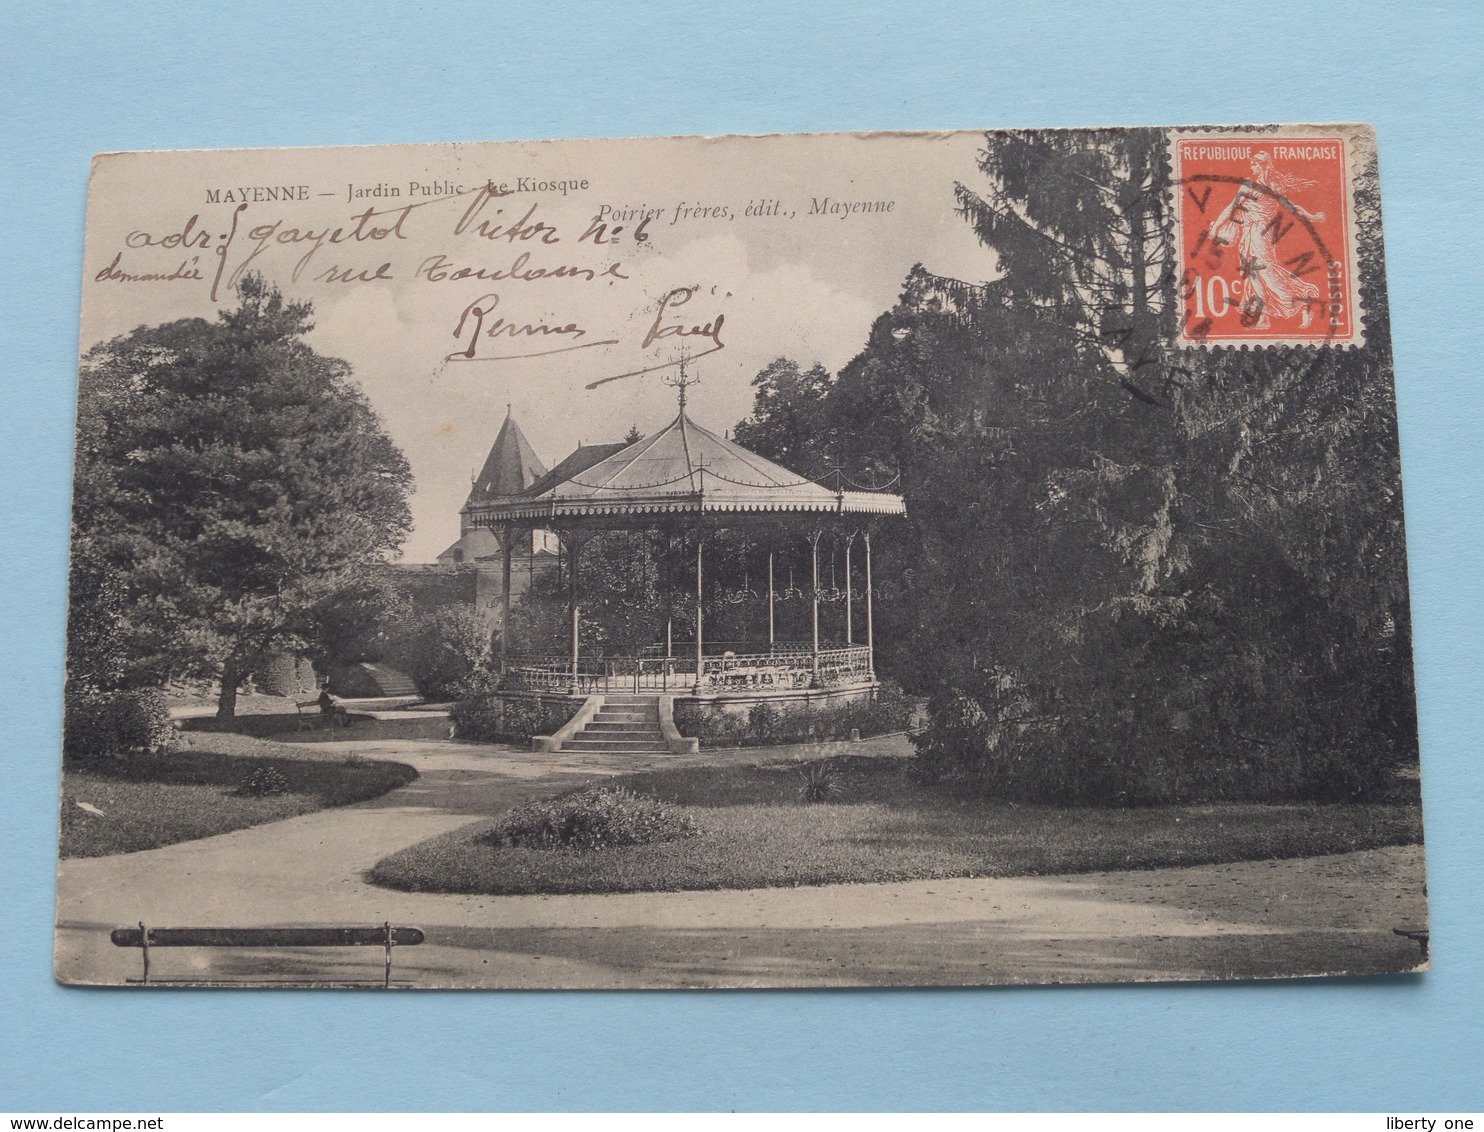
point(784, 668)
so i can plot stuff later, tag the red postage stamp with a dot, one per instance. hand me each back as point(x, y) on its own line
point(1265, 229)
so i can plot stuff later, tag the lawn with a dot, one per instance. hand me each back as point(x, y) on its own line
point(755, 833)
point(197, 790)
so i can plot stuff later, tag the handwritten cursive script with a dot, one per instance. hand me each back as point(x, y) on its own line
point(337, 254)
point(472, 322)
point(661, 329)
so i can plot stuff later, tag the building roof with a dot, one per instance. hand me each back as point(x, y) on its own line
point(511, 467)
point(682, 468)
point(583, 457)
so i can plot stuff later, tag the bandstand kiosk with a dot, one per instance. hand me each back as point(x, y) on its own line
point(687, 480)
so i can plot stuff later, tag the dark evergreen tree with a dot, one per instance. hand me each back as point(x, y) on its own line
point(1128, 573)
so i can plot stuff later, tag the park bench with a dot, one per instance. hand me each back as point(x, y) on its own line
point(312, 710)
point(1420, 936)
point(385, 936)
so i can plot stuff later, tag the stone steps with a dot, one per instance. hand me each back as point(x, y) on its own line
point(604, 747)
point(624, 725)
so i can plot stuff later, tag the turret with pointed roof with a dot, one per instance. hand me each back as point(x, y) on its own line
point(511, 467)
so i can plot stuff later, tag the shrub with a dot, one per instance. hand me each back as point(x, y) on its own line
point(594, 817)
point(762, 721)
point(820, 782)
point(264, 781)
point(719, 728)
point(442, 651)
point(487, 717)
point(1327, 772)
point(95, 620)
point(283, 674)
point(115, 723)
point(767, 725)
point(1096, 761)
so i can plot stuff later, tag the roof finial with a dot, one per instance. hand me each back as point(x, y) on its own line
point(509, 409)
point(680, 381)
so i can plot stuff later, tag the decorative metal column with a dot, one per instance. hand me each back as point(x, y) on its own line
point(770, 600)
point(870, 627)
point(574, 549)
point(849, 607)
point(814, 558)
point(505, 597)
point(700, 541)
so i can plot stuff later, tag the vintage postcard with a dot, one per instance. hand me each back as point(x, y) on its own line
point(830, 560)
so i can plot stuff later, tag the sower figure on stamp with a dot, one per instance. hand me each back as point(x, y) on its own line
point(1252, 221)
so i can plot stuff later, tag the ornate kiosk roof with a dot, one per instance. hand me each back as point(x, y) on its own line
point(682, 469)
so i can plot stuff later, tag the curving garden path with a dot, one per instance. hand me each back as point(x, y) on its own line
point(1257, 918)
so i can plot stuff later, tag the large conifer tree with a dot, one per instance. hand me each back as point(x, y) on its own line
point(228, 480)
point(1129, 573)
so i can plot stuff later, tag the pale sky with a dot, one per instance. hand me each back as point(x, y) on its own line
point(786, 282)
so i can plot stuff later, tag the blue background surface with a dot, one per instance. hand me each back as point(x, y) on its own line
point(83, 78)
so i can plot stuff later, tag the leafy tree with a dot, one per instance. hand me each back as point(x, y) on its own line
point(356, 622)
point(230, 479)
point(634, 585)
point(788, 423)
point(628, 584)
